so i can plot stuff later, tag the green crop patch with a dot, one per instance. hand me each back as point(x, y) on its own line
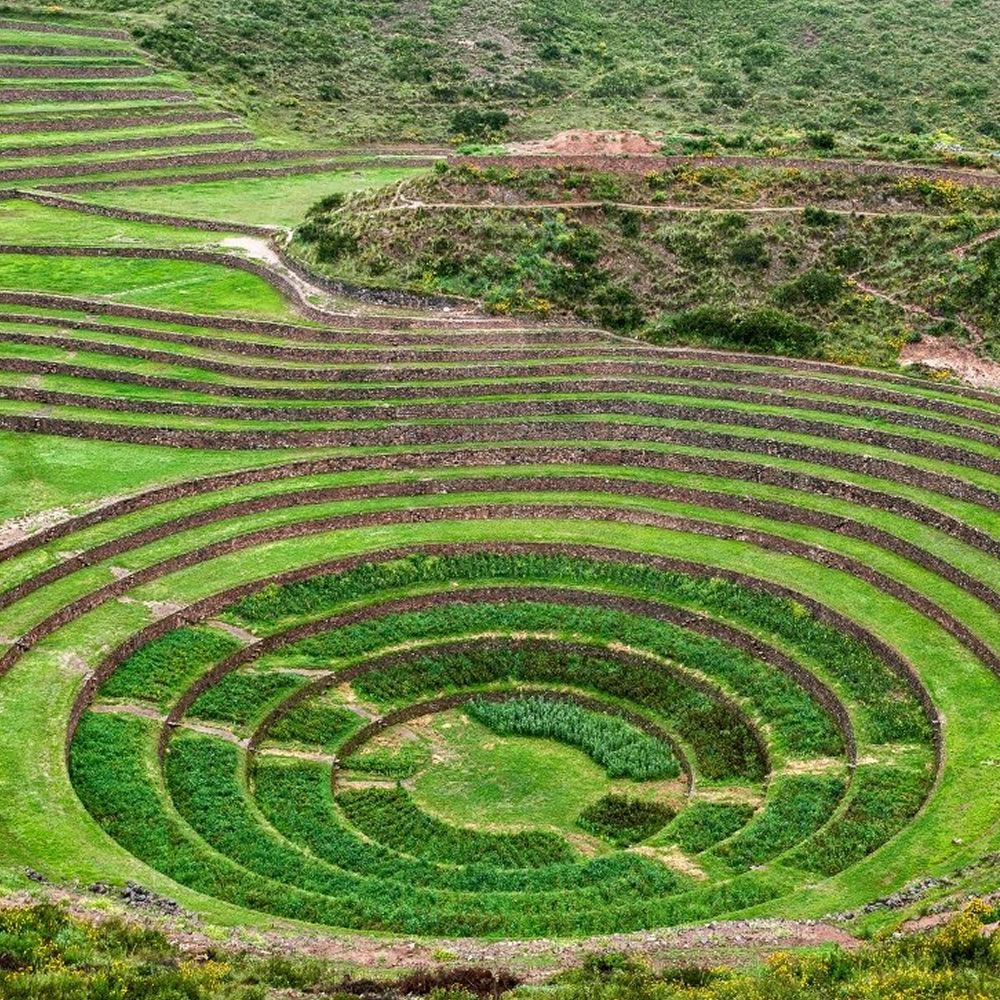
point(624, 821)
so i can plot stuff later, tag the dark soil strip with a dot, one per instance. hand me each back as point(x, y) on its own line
point(48, 95)
point(55, 28)
point(79, 72)
point(101, 121)
point(325, 167)
point(142, 142)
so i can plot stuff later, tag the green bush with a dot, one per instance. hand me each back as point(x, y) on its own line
point(624, 821)
point(813, 287)
point(765, 330)
point(479, 123)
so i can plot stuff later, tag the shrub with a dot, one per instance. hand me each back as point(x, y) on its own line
point(764, 329)
point(479, 123)
point(813, 215)
point(813, 287)
point(624, 821)
point(751, 252)
point(821, 140)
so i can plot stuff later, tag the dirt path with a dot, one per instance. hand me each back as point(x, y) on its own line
point(963, 250)
point(145, 712)
point(402, 204)
point(260, 249)
point(976, 335)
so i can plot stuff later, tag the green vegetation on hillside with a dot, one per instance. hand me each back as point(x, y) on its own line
point(327, 608)
point(809, 263)
point(375, 69)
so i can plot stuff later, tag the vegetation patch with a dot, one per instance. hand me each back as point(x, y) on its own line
point(624, 821)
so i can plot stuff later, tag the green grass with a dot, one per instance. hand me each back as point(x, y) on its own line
point(276, 201)
point(26, 223)
point(495, 830)
point(169, 284)
point(857, 884)
point(763, 70)
point(686, 256)
point(506, 782)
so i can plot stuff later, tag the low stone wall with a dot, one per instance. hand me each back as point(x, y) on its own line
point(326, 167)
point(56, 28)
point(104, 122)
point(41, 95)
point(206, 608)
point(111, 145)
point(81, 72)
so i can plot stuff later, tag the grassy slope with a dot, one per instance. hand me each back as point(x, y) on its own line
point(38, 474)
point(170, 284)
point(276, 201)
point(643, 247)
point(376, 69)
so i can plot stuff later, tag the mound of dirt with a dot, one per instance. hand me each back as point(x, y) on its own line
point(576, 142)
point(943, 354)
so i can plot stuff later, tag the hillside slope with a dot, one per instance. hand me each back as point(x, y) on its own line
point(373, 69)
point(826, 262)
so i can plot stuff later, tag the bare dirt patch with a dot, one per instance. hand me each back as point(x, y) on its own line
point(945, 355)
point(583, 142)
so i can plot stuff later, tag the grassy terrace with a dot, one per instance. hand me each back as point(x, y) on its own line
point(396, 615)
point(871, 495)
